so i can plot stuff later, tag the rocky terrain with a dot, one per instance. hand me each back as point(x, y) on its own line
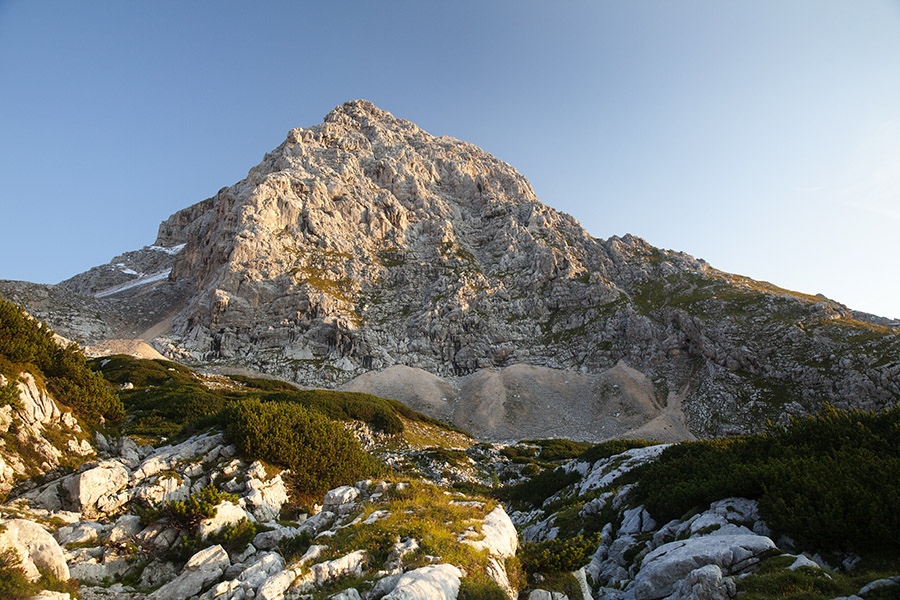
point(174, 487)
point(364, 243)
point(222, 530)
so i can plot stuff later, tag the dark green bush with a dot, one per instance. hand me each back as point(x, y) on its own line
point(293, 548)
point(558, 555)
point(537, 489)
point(169, 399)
point(320, 453)
point(558, 449)
point(266, 385)
point(13, 583)
point(828, 481)
point(27, 345)
point(9, 394)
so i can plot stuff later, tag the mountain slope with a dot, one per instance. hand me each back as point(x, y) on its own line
point(365, 242)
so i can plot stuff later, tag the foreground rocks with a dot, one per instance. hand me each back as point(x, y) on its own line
point(100, 540)
point(700, 557)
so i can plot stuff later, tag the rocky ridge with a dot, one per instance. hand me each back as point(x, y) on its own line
point(364, 243)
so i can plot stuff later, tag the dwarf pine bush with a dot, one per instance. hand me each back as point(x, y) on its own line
point(320, 453)
point(828, 481)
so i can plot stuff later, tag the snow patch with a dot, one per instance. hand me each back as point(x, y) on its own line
point(126, 270)
point(172, 251)
point(132, 284)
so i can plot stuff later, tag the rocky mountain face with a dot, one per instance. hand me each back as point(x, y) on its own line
point(364, 243)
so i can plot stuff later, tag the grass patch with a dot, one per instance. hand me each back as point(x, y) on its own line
point(426, 513)
point(773, 580)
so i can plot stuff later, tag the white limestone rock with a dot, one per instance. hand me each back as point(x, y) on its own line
point(432, 582)
point(266, 497)
point(90, 488)
point(227, 513)
point(35, 548)
point(78, 533)
point(349, 565)
point(263, 566)
point(705, 583)
point(664, 567)
point(125, 527)
point(201, 569)
point(500, 536)
point(348, 594)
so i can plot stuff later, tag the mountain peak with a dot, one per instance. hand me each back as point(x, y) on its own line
point(363, 243)
point(357, 109)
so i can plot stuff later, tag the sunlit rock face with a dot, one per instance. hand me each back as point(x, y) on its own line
point(364, 243)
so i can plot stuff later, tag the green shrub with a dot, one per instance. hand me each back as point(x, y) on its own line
point(559, 449)
point(186, 514)
point(27, 345)
point(169, 399)
point(823, 480)
point(9, 394)
point(293, 548)
point(266, 385)
point(537, 489)
point(558, 555)
point(13, 583)
point(320, 453)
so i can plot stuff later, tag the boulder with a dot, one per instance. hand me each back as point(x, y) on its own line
point(341, 499)
point(227, 513)
point(275, 586)
point(125, 527)
point(705, 583)
point(545, 595)
point(263, 567)
point(266, 497)
point(500, 536)
point(87, 489)
point(432, 582)
point(78, 533)
point(349, 565)
point(663, 568)
point(201, 569)
point(34, 547)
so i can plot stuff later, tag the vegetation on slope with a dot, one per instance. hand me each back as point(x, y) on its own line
point(320, 453)
point(166, 399)
point(822, 480)
point(28, 345)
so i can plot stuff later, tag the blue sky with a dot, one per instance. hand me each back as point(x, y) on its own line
point(763, 136)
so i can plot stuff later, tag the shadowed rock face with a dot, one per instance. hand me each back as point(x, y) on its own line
point(364, 243)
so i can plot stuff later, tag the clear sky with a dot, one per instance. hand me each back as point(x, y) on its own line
point(763, 136)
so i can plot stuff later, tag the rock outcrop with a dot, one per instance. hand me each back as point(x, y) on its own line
point(36, 436)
